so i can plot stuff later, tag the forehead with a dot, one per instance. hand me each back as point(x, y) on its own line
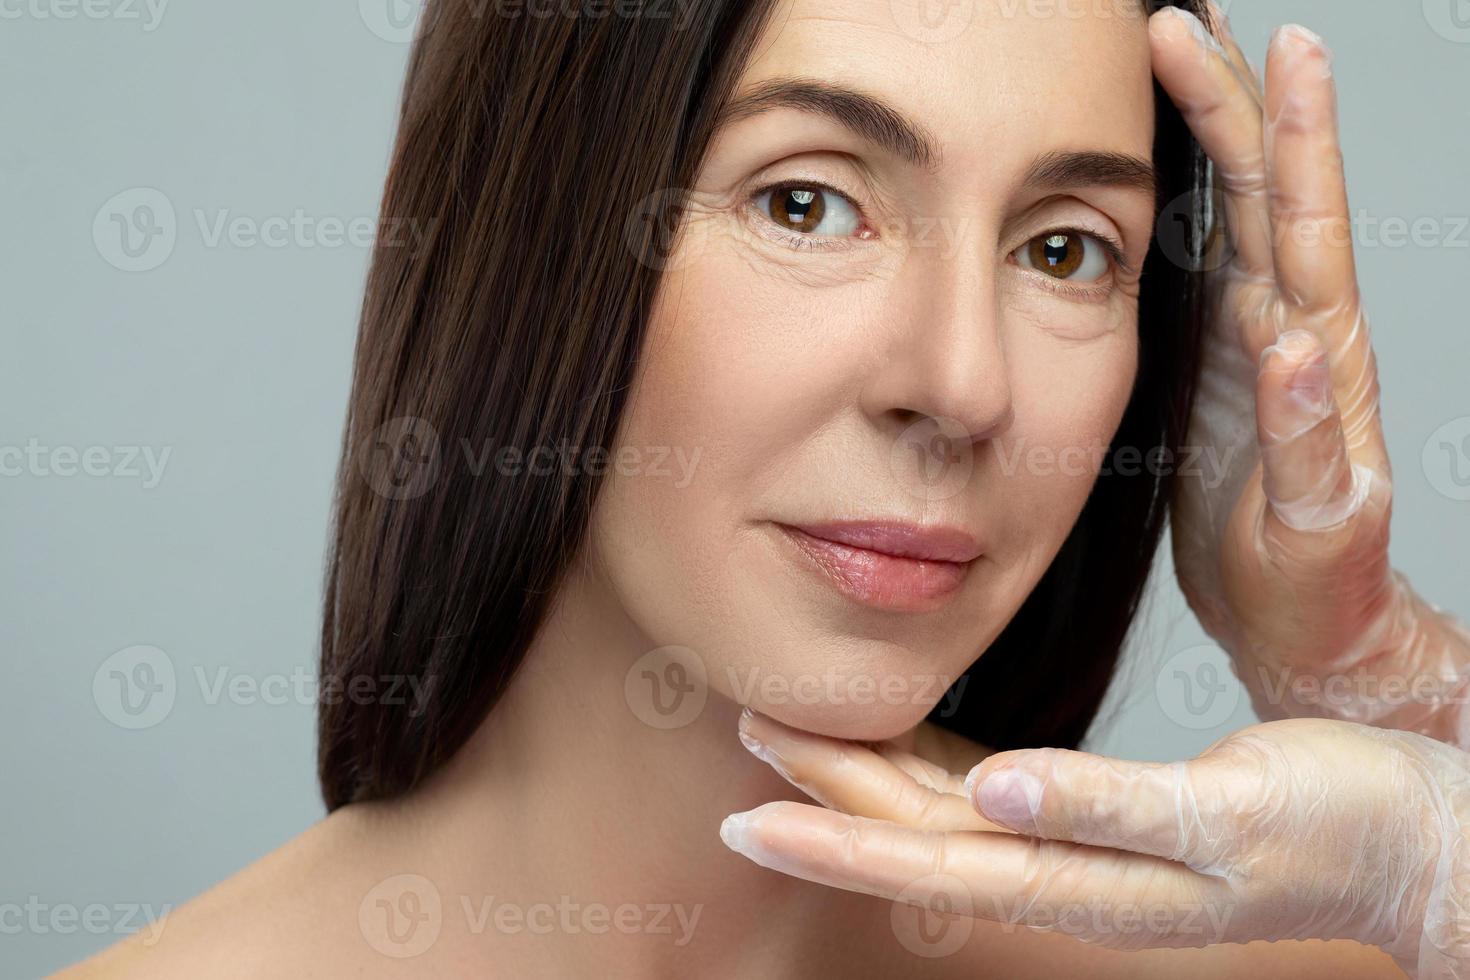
point(993, 80)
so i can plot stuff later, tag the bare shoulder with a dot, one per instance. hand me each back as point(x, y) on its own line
point(269, 918)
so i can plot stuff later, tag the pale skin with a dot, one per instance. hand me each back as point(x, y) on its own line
point(565, 790)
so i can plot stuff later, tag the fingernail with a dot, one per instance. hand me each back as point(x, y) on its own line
point(1310, 384)
point(1295, 341)
point(1011, 797)
point(746, 738)
point(1291, 342)
point(970, 779)
point(1305, 40)
point(739, 831)
point(761, 750)
point(1311, 374)
point(771, 756)
point(1294, 31)
point(735, 832)
point(1196, 27)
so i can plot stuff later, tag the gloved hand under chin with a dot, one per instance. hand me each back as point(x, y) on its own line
point(1295, 829)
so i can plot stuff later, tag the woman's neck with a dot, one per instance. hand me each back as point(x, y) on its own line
point(570, 812)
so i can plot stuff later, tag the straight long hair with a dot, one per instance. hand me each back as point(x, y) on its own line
point(535, 155)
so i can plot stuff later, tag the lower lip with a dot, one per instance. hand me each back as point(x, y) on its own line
point(878, 579)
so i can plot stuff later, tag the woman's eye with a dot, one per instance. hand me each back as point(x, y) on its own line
point(810, 210)
point(1069, 255)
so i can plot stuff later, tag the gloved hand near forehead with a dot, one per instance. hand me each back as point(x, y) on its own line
point(1285, 560)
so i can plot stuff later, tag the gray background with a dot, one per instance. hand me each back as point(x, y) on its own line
point(234, 358)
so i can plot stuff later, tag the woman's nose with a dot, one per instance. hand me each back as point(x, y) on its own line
point(942, 355)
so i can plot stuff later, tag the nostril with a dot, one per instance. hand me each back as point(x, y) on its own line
point(908, 416)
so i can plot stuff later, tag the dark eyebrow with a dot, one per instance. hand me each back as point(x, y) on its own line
point(1064, 168)
point(866, 115)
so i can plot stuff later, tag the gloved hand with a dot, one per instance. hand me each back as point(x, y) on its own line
point(1297, 829)
point(1285, 559)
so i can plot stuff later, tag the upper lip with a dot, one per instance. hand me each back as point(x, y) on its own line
point(900, 539)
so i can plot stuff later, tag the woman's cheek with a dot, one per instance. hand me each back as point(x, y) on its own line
point(1070, 398)
point(734, 376)
point(748, 364)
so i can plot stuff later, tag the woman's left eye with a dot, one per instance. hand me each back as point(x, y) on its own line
point(810, 209)
point(1067, 254)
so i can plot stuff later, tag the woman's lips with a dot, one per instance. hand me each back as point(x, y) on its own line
point(902, 567)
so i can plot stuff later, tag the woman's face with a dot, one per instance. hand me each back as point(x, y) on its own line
point(890, 379)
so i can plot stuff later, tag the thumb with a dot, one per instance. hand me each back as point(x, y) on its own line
point(1060, 794)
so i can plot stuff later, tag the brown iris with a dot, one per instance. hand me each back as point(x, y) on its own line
point(1058, 254)
point(798, 208)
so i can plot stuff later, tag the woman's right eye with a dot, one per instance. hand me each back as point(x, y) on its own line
point(809, 210)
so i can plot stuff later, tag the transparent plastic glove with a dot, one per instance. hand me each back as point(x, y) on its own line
point(1281, 545)
point(1297, 829)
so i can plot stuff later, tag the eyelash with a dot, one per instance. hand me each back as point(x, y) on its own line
point(1110, 245)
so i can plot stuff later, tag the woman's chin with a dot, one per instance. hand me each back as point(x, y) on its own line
point(855, 688)
point(872, 722)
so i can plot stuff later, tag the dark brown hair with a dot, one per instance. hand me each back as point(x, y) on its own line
point(518, 320)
